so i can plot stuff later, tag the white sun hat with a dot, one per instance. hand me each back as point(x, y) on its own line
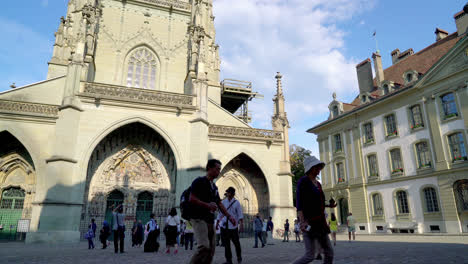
point(310, 162)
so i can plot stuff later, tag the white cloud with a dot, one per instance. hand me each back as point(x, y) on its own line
point(300, 38)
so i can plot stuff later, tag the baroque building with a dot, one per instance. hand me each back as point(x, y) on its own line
point(397, 155)
point(130, 112)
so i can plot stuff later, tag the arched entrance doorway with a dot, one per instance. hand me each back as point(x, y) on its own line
point(144, 207)
point(11, 210)
point(17, 185)
point(460, 189)
point(136, 161)
point(343, 210)
point(247, 178)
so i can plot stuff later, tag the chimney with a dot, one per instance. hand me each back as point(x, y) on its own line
point(364, 75)
point(461, 20)
point(440, 34)
point(395, 53)
point(405, 54)
point(379, 74)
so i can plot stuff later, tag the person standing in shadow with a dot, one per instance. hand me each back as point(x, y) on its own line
point(118, 226)
point(104, 234)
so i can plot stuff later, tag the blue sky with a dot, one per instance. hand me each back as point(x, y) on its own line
point(314, 43)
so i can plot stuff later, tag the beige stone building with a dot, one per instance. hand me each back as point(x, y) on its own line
point(130, 112)
point(397, 155)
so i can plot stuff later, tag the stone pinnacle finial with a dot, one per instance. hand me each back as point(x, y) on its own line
point(334, 96)
point(279, 88)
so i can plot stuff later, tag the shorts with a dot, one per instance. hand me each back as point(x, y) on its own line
point(351, 229)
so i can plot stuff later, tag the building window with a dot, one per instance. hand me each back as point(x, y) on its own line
point(340, 172)
point(364, 98)
point(335, 111)
point(430, 196)
point(461, 193)
point(423, 154)
point(338, 146)
point(449, 106)
point(457, 147)
point(141, 70)
point(416, 117)
point(409, 77)
point(368, 133)
point(377, 203)
point(373, 168)
point(402, 202)
point(390, 125)
point(395, 160)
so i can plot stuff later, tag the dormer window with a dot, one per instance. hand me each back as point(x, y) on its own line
point(386, 89)
point(409, 77)
point(364, 98)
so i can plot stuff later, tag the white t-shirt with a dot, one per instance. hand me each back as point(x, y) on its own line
point(173, 220)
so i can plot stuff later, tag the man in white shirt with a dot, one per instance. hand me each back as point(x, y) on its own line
point(230, 231)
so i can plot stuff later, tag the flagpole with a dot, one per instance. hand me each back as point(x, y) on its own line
point(376, 42)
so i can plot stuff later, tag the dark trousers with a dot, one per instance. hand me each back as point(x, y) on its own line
point(90, 243)
point(258, 234)
point(188, 238)
point(226, 236)
point(119, 236)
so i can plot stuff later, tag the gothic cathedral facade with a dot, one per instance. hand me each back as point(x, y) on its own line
point(130, 112)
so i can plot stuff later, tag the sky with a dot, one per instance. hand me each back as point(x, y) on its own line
point(315, 44)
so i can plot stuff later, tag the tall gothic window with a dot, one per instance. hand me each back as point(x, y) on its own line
point(141, 71)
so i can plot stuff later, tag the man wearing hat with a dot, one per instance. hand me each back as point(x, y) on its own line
point(310, 204)
point(230, 231)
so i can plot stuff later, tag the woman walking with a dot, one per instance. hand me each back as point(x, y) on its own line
point(171, 231)
point(333, 227)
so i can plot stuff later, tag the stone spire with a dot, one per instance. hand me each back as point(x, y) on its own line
point(279, 119)
point(75, 37)
point(280, 123)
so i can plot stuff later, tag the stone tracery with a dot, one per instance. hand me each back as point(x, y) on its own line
point(132, 160)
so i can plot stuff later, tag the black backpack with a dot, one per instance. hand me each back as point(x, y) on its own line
point(185, 206)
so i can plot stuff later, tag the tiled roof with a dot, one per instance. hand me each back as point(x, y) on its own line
point(421, 62)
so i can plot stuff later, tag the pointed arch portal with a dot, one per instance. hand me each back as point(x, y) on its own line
point(250, 183)
point(17, 185)
point(135, 164)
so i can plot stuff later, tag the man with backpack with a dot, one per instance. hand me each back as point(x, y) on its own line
point(230, 231)
point(203, 202)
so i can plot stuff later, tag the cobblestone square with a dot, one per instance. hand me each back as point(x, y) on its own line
point(366, 249)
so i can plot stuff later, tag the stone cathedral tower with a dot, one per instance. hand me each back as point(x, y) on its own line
point(130, 112)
